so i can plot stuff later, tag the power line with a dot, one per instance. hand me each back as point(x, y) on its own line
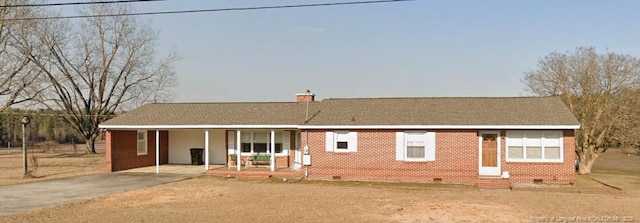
point(77, 3)
point(210, 10)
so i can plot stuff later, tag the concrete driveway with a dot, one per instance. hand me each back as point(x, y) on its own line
point(24, 197)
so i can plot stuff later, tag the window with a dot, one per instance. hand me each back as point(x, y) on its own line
point(415, 146)
point(538, 146)
point(341, 141)
point(245, 139)
point(142, 142)
point(260, 142)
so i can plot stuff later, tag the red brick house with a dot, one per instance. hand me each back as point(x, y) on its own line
point(460, 140)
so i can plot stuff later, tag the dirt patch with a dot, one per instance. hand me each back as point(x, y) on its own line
point(57, 162)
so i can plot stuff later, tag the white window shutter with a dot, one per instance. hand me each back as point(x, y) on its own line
point(353, 141)
point(400, 146)
point(329, 143)
point(431, 146)
point(285, 142)
point(231, 141)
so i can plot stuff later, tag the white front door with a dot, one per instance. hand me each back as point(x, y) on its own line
point(489, 153)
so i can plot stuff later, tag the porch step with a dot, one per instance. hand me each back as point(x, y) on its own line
point(493, 183)
point(256, 174)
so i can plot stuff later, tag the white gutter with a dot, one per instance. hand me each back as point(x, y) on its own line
point(198, 126)
point(339, 126)
point(439, 126)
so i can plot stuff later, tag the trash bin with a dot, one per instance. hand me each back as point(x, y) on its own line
point(196, 156)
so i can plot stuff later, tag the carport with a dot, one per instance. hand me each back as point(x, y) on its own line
point(160, 134)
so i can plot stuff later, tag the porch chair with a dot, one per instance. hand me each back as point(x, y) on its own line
point(233, 161)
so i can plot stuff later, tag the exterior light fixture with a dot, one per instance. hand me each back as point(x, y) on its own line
point(25, 120)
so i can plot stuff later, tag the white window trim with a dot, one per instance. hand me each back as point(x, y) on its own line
point(429, 144)
point(146, 143)
point(284, 152)
point(352, 142)
point(542, 146)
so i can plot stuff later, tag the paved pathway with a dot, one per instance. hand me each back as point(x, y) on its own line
point(30, 196)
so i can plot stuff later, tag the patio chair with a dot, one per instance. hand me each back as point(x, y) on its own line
point(233, 161)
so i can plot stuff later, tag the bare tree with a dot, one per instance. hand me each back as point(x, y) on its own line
point(97, 66)
point(600, 90)
point(17, 74)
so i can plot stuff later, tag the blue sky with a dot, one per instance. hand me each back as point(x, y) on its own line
point(424, 48)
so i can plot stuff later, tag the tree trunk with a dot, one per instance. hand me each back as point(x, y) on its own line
point(587, 158)
point(585, 166)
point(91, 144)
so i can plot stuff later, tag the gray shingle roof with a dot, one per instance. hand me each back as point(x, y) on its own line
point(359, 111)
point(278, 113)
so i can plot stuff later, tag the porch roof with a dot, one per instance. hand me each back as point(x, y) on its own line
point(222, 114)
point(371, 113)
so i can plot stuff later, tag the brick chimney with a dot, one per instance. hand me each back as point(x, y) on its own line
point(305, 97)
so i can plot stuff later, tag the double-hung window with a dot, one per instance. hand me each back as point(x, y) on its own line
point(142, 142)
point(415, 146)
point(534, 146)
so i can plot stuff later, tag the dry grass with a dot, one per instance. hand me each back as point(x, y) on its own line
point(54, 162)
point(211, 199)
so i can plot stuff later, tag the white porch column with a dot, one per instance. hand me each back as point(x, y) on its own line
point(273, 151)
point(157, 151)
point(206, 149)
point(238, 145)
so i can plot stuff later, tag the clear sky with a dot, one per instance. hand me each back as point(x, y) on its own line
point(425, 48)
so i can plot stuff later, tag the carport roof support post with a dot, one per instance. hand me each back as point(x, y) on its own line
point(239, 160)
point(157, 151)
point(206, 149)
point(272, 163)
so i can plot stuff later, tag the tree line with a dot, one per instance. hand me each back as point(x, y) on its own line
point(45, 125)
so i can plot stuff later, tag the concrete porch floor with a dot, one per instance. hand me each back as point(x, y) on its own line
point(173, 169)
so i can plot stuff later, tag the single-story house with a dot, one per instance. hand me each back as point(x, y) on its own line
point(444, 139)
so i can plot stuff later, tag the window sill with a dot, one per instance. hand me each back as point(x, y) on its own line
point(417, 160)
point(535, 161)
point(269, 154)
point(343, 151)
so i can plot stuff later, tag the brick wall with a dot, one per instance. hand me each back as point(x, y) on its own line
point(121, 150)
point(456, 160)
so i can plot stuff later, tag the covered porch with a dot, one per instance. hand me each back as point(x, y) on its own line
point(160, 150)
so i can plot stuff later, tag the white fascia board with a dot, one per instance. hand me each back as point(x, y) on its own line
point(198, 126)
point(521, 127)
point(439, 126)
